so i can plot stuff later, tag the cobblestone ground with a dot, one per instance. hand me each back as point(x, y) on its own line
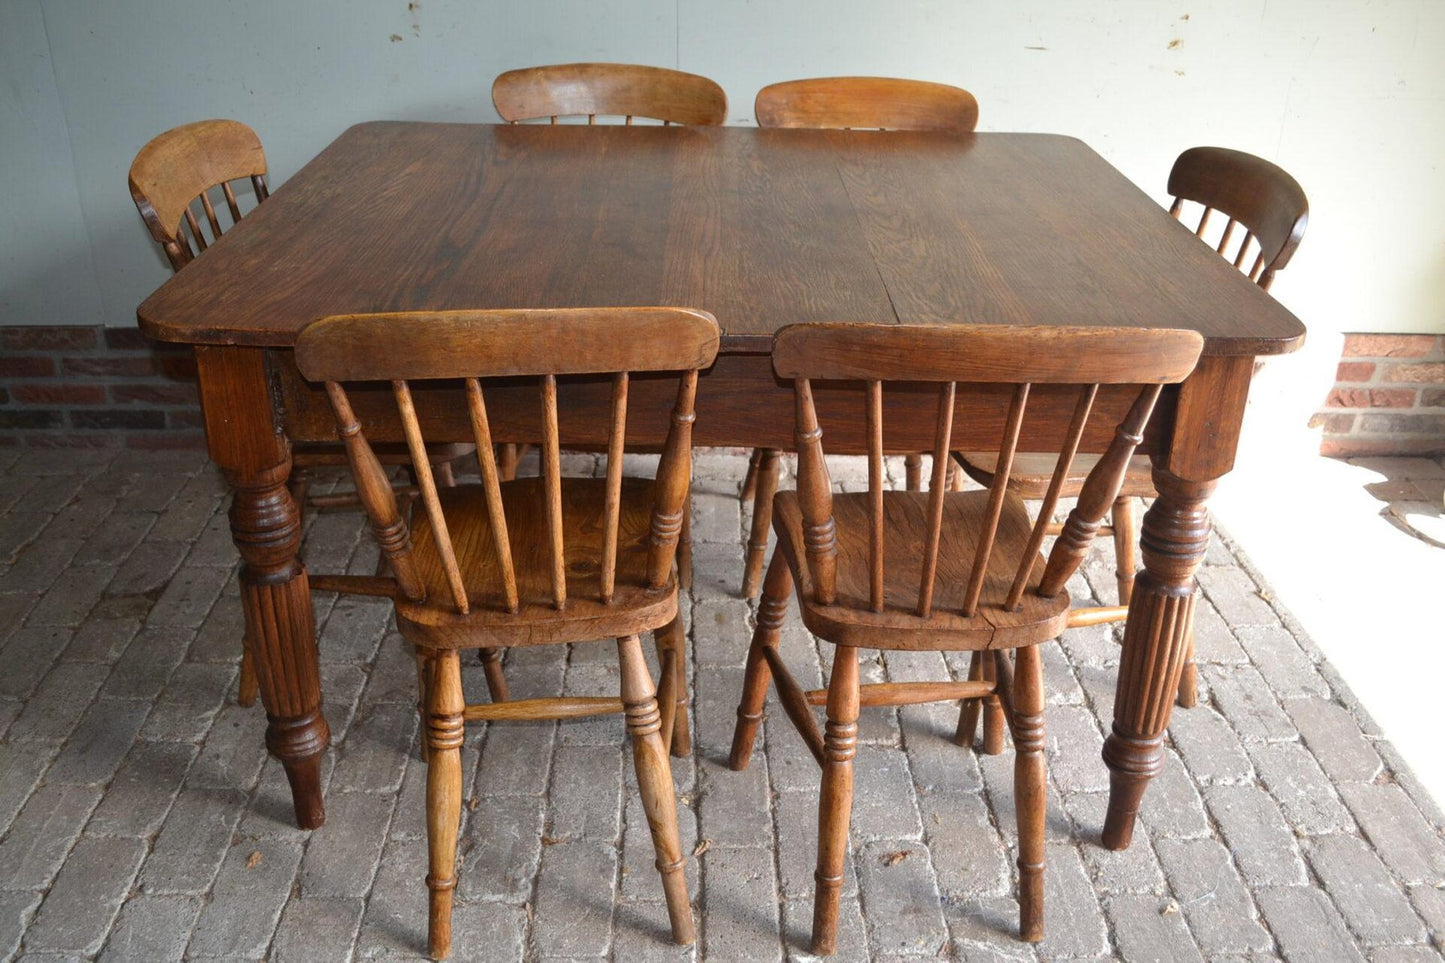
point(141, 819)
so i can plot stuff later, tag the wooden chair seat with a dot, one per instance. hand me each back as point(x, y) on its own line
point(537, 620)
point(849, 621)
point(1033, 469)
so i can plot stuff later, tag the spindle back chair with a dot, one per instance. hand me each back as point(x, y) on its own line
point(617, 90)
point(939, 570)
point(874, 103)
point(530, 561)
point(177, 173)
point(1271, 207)
point(1251, 193)
point(879, 103)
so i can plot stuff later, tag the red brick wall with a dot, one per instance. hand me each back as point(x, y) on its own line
point(1389, 397)
point(96, 386)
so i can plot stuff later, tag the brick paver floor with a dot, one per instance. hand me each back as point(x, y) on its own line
point(141, 820)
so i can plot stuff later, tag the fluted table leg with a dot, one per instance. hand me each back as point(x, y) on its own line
point(243, 439)
point(1173, 540)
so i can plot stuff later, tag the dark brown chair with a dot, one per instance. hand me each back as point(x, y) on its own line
point(534, 561)
point(616, 90)
point(874, 103)
point(940, 570)
point(174, 180)
point(1271, 207)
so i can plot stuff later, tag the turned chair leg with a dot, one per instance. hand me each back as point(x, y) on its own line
point(993, 717)
point(968, 713)
point(1029, 792)
point(750, 480)
point(492, 668)
point(769, 468)
point(1188, 693)
point(684, 548)
point(671, 643)
point(1126, 536)
point(835, 804)
point(913, 472)
point(444, 727)
point(654, 783)
point(507, 457)
point(772, 609)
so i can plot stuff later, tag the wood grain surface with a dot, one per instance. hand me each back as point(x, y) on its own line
point(761, 228)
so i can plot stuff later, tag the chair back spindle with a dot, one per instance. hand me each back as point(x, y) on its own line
point(406, 348)
point(970, 355)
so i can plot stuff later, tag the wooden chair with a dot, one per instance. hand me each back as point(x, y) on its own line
point(534, 561)
point(940, 570)
point(1272, 209)
point(174, 181)
point(874, 103)
point(618, 90)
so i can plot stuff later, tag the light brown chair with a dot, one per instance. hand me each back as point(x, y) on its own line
point(534, 561)
point(617, 90)
point(1272, 209)
point(874, 103)
point(941, 570)
point(177, 180)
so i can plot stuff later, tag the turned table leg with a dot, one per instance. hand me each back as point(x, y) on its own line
point(1173, 540)
point(243, 440)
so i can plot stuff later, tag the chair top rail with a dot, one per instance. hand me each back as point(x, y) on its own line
point(985, 353)
point(503, 343)
point(618, 90)
point(886, 103)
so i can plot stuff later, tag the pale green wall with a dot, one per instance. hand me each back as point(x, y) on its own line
point(1350, 96)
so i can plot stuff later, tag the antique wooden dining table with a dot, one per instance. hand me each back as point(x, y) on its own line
point(762, 228)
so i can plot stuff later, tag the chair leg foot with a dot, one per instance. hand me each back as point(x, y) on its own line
point(654, 784)
point(445, 708)
point(1029, 790)
point(835, 804)
point(772, 609)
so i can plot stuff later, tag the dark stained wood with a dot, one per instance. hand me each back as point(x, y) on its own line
point(1251, 192)
point(618, 90)
point(921, 228)
point(266, 528)
point(886, 103)
point(855, 558)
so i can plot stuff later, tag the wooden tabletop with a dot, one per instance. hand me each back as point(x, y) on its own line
point(760, 227)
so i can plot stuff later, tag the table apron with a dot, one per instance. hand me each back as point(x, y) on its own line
point(740, 402)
